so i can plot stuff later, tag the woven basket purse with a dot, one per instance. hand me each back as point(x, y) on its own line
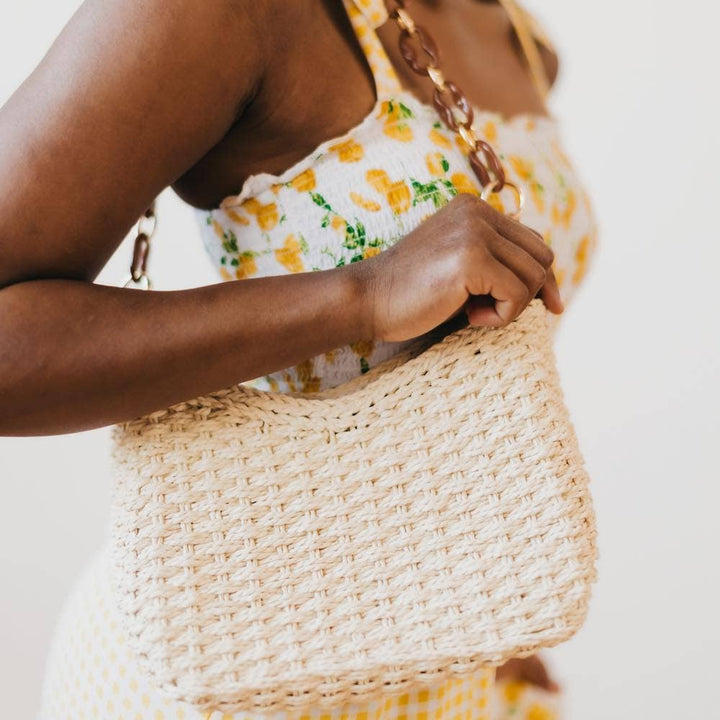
point(280, 551)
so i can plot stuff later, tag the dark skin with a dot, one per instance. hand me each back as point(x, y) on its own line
point(323, 59)
point(135, 96)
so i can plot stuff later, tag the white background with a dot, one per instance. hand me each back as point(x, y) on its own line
point(639, 353)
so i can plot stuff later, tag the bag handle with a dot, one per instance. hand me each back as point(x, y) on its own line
point(458, 116)
point(146, 227)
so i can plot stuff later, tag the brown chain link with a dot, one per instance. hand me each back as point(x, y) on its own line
point(447, 112)
point(141, 249)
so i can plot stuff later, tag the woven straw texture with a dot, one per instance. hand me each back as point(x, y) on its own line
point(275, 551)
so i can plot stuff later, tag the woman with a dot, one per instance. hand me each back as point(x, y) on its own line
point(357, 227)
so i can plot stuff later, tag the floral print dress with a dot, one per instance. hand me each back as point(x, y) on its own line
point(351, 198)
point(357, 194)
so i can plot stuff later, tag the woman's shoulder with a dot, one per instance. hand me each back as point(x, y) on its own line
point(128, 96)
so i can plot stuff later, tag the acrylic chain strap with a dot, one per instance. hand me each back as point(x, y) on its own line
point(457, 117)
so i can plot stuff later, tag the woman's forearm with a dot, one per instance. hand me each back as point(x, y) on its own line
point(76, 355)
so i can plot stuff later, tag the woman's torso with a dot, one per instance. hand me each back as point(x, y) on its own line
point(372, 172)
point(356, 193)
point(281, 125)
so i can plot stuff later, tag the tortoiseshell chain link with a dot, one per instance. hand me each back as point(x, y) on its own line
point(146, 227)
point(457, 117)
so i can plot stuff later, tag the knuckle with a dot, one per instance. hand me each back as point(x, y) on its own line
point(466, 201)
point(480, 250)
point(475, 242)
point(486, 209)
point(538, 275)
point(547, 255)
point(544, 251)
point(465, 209)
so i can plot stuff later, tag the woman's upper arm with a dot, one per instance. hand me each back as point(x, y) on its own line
point(130, 95)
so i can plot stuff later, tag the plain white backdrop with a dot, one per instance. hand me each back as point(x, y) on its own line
point(639, 355)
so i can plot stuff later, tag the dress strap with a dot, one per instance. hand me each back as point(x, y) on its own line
point(365, 16)
point(374, 10)
point(528, 30)
point(368, 15)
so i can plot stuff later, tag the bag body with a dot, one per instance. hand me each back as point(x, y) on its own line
point(275, 551)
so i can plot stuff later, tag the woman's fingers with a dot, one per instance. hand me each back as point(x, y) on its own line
point(539, 279)
point(525, 237)
point(550, 294)
point(521, 262)
point(529, 670)
point(525, 251)
point(499, 295)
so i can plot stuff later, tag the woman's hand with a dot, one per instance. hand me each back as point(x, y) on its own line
point(467, 256)
point(530, 670)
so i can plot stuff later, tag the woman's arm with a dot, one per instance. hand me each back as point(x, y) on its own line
point(126, 100)
point(74, 355)
point(128, 97)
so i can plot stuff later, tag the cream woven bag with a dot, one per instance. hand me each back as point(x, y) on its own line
point(274, 551)
point(279, 551)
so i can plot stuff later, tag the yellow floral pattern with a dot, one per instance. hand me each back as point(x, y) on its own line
point(357, 194)
point(289, 255)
